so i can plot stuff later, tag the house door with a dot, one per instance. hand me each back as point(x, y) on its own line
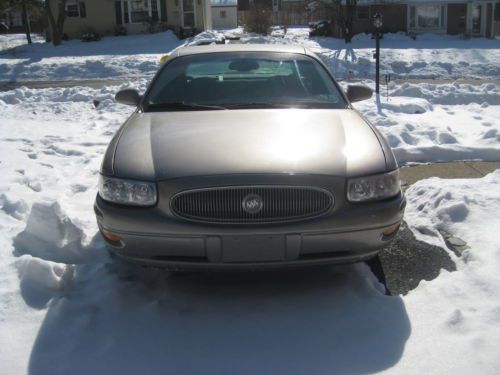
point(188, 17)
point(477, 19)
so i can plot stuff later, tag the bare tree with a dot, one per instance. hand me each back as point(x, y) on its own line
point(56, 24)
point(26, 21)
point(341, 12)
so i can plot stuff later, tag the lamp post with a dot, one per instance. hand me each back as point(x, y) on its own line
point(377, 22)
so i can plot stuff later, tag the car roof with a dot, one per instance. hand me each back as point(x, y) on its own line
point(217, 48)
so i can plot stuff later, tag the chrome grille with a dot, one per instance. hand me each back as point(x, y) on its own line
point(277, 204)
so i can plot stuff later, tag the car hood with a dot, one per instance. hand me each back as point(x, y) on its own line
point(165, 145)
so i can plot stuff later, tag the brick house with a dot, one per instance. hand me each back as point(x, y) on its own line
point(468, 17)
point(471, 18)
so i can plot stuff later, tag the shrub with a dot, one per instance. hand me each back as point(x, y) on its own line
point(259, 20)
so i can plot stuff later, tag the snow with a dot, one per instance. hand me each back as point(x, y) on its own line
point(66, 307)
point(430, 56)
point(428, 122)
point(459, 311)
point(126, 57)
point(8, 41)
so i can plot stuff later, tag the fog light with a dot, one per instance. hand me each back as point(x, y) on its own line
point(391, 230)
point(110, 236)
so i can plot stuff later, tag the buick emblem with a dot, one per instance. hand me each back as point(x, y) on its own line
point(252, 203)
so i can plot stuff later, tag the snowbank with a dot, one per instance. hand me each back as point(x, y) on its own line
point(456, 318)
point(50, 235)
point(428, 123)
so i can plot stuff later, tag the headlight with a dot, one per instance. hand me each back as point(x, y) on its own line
point(376, 187)
point(129, 192)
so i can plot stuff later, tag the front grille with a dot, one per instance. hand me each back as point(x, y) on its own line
point(252, 204)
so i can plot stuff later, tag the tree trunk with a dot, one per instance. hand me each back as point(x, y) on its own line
point(26, 21)
point(348, 31)
point(56, 26)
point(347, 19)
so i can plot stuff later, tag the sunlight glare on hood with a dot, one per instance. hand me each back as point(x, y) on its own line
point(293, 139)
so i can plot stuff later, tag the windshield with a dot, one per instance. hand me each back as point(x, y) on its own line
point(242, 80)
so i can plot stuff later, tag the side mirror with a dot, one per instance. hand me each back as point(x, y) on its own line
point(128, 96)
point(356, 93)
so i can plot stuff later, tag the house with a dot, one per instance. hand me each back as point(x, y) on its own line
point(224, 13)
point(106, 17)
point(470, 18)
point(12, 18)
point(467, 17)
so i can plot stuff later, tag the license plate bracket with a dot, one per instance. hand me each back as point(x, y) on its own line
point(253, 248)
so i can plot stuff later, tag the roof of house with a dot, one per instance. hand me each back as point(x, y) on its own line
point(224, 3)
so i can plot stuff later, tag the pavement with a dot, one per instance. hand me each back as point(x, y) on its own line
point(459, 169)
point(99, 83)
point(92, 83)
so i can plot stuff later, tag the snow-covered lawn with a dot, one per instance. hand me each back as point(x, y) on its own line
point(429, 56)
point(429, 123)
point(8, 41)
point(131, 56)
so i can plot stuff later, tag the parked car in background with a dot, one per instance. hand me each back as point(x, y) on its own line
point(320, 28)
point(247, 156)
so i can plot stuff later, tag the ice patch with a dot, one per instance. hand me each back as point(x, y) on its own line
point(51, 235)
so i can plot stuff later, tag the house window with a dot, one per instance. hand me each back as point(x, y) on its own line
point(363, 13)
point(223, 14)
point(427, 17)
point(188, 10)
point(139, 11)
point(76, 10)
point(154, 10)
point(126, 13)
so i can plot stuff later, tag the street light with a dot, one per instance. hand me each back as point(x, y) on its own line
point(377, 22)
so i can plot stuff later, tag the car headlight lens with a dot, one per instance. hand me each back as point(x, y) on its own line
point(376, 187)
point(128, 192)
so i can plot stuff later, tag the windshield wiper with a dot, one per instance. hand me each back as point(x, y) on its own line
point(184, 105)
point(265, 105)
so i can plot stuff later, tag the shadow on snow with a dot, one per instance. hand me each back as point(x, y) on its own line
point(116, 318)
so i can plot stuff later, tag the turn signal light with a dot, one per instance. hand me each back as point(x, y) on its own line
point(390, 230)
point(110, 236)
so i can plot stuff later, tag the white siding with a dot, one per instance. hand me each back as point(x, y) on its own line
point(231, 19)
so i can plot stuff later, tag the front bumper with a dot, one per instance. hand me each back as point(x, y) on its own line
point(351, 234)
